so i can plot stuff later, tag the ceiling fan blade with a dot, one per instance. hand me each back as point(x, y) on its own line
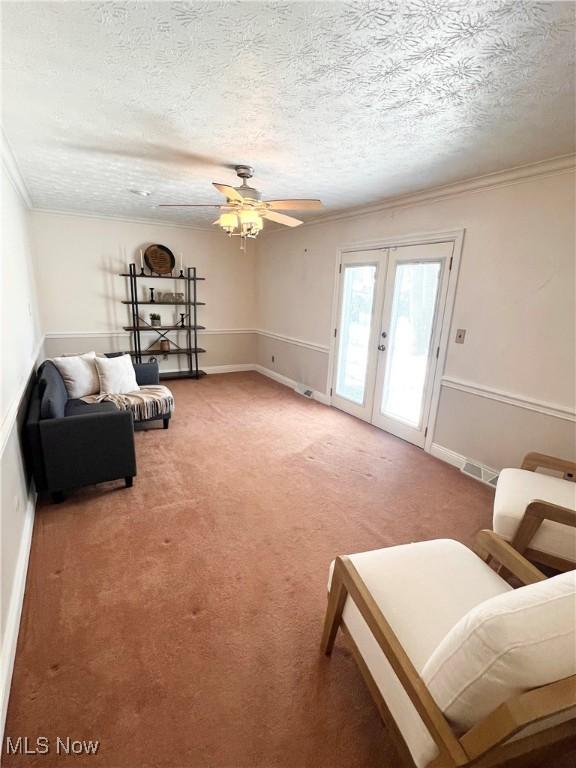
point(281, 218)
point(186, 205)
point(294, 205)
point(230, 192)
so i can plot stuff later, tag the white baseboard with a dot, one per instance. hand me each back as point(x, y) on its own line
point(12, 627)
point(321, 397)
point(281, 379)
point(445, 454)
point(460, 461)
point(227, 368)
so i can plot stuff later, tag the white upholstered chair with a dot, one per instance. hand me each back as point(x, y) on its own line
point(536, 512)
point(464, 669)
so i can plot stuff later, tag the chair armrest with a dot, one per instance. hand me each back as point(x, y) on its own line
point(147, 373)
point(532, 461)
point(87, 449)
point(536, 512)
point(546, 510)
point(489, 545)
point(347, 581)
point(515, 714)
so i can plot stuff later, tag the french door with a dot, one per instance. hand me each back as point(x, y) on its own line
point(391, 306)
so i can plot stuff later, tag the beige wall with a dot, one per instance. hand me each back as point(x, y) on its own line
point(515, 297)
point(497, 434)
point(78, 259)
point(20, 340)
point(222, 348)
point(300, 363)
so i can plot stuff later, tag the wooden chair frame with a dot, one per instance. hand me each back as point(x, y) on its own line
point(484, 745)
point(540, 510)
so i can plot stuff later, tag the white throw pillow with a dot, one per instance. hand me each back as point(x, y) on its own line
point(79, 374)
point(117, 375)
point(519, 640)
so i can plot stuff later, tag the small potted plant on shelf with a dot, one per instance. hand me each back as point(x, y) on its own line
point(154, 319)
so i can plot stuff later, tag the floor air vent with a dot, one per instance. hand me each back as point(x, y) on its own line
point(305, 391)
point(478, 472)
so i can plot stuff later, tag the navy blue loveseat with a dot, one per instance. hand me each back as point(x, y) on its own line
point(70, 443)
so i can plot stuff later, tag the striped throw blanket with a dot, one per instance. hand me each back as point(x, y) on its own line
point(149, 401)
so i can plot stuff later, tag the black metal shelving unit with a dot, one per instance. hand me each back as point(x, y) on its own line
point(138, 324)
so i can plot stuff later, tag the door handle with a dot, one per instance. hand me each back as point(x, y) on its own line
point(381, 347)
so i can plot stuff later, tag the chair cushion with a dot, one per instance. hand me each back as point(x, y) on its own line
point(53, 394)
point(423, 590)
point(515, 641)
point(79, 374)
point(515, 490)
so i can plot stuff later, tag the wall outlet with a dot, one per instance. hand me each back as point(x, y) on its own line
point(460, 335)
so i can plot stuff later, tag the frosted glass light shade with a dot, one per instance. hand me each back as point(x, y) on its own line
point(250, 221)
point(228, 221)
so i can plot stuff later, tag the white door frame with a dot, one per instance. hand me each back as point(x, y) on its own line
point(454, 235)
point(363, 410)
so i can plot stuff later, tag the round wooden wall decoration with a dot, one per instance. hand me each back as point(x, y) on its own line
point(159, 259)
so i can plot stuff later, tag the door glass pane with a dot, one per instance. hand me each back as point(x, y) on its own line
point(355, 323)
point(411, 322)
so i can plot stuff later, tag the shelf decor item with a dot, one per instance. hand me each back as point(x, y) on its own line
point(183, 339)
point(159, 259)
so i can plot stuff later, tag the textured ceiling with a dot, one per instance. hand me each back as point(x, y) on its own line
point(351, 102)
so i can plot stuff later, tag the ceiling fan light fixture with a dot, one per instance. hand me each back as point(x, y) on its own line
point(244, 212)
point(248, 216)
point(250, 222)
point(228, 222)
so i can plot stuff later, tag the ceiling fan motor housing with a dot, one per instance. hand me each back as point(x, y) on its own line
point(246, 172)
point(249, 193)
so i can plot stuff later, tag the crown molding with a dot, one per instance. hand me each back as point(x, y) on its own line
point(12, 170)
point(122, 219)
point(516, 175)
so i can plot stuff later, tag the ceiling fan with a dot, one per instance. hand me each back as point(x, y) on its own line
point(244, 210)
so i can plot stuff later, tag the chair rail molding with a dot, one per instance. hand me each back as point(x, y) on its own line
point(521, 401)
point(324, 349)
point(9, 418)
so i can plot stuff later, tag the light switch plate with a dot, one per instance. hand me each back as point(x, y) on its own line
point(460, 335)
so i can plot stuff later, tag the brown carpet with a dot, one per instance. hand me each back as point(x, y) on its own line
point(178, 622)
